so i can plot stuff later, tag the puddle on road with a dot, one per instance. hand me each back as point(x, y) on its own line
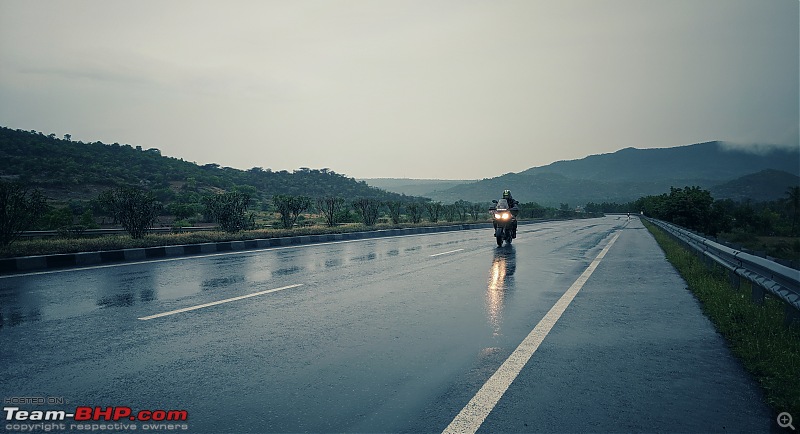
point(368, 257)
point(120, 300)
point(220, 282)
point(17, 317)
point(287, 271)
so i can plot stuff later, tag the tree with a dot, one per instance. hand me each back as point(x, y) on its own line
point(395, 209)
point(475, 209)
point(87, 220)
point(331, 208)
point(793, 202)
point(463, 208)
point(135, 209)
point(450, 212)
point(290, 207)
point(183, 211)
point(19, 210)
point(414, 212)
point(434, 210)
point(55, 218)
point(228, 210)
point(689, 207)
point(368, 210)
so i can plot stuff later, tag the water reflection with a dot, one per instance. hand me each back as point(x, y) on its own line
point(16, 317)
point(18, 305)
point(287, 271)
point(335, 262)
point(113, 290)
point(117, 300)
point(367, 257)
point(501, 280)
point(221, 282)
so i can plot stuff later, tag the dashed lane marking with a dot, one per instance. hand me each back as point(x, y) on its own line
point(446, 253)
point(214, 303)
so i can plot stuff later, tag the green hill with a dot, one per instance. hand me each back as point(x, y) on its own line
point(66, 170)
point(765, 185)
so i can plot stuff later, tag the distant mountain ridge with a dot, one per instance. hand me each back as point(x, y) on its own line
point(414, 187)
point(630, 173)
point(767, 185)
point(709, 161)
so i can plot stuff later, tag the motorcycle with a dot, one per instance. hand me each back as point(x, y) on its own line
point(504, 219)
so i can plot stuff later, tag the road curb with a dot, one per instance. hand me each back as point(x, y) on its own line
point(83, 259)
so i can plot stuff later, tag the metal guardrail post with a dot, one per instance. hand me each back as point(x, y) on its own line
point(736, 280)
point(757, 294)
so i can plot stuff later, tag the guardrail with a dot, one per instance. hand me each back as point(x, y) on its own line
point(115, 231)
point(779, 280)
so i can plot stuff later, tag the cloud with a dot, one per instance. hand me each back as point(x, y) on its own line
point(757, 148)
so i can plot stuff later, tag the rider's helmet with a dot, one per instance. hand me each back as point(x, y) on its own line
point(506, 194)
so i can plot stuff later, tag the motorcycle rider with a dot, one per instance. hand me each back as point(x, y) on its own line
point(512, 204)
point(511, 201)
point(512, 207)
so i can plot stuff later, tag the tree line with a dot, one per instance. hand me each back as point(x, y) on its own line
point(694, 208)
point(137, 209)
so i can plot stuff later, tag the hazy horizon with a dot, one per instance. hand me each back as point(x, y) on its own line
point(414, 89)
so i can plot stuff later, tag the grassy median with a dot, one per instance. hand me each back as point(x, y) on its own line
point(756, 334)
point(51, 246)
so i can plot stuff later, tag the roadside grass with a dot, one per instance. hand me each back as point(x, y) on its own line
point(756, 334)
point(787, 248)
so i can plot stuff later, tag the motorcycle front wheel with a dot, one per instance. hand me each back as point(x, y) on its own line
point(499, 241)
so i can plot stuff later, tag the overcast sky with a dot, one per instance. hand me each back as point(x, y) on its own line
point(399, 88)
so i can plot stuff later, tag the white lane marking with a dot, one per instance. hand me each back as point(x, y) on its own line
point(211, 255)
point(446, 253)
point(474, 413)
point(214, 303)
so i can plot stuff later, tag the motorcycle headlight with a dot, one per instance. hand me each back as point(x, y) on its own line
point(505, 216)
point(497, 216)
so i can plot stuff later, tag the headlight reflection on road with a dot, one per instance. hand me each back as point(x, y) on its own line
point(501, 271)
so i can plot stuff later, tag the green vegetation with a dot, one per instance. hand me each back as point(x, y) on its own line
point(19, 208)
point(228, 210)
point(135, 209)
point(290, 207)
point(771, 227)
point(78, 242)
point(756, 333)
point(81, 170)
point(368, 210)
point(332, 209)
point(73, 174)
point(49, 246)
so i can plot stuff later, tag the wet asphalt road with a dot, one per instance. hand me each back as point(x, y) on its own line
point(384, 335)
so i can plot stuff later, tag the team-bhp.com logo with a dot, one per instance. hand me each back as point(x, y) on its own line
point(88, 418)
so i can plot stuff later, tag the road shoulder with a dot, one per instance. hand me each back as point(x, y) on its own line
point(633, 352)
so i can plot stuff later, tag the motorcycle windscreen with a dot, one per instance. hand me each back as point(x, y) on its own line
point(502, 205)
